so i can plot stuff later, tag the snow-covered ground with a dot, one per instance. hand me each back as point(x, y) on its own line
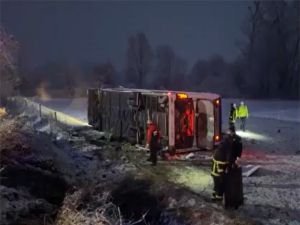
point(74, 107)
point(269, 109)
point(272, 140)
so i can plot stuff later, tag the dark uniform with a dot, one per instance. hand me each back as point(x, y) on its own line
point(223, 159)
point(233, 114)
point(154, 147)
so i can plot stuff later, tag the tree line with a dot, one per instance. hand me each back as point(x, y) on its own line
point(267, 65)
point(9, 79)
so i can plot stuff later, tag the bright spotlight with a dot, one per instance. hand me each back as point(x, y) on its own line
point(252, 135)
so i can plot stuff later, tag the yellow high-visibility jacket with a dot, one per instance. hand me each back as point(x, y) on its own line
point(243, 111)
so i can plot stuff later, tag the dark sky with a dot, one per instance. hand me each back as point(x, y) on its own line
point(95, 31)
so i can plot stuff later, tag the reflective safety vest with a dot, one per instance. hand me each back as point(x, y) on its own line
point(218, 167)
point(243, 111)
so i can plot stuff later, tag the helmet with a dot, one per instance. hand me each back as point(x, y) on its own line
point(149, 121)
point(242, 103)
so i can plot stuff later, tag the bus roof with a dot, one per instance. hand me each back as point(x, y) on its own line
point(203, 95)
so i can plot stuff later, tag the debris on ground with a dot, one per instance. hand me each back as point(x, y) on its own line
point(248, 170)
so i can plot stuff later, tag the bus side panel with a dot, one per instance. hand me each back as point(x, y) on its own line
point(114, 120)
point(116, 114)
point(94, 118)
point(171, 122)
point(105, 108)
point(126, 121)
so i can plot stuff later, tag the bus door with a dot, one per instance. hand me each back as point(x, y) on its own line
point(184, 123)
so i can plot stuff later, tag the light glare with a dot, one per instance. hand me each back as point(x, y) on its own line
point(252, 135)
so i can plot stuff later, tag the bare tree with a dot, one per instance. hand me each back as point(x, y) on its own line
point(217, 75)
point(8, 64)
point(104, 74)
point(199, 72)
point(139, 59)
point(286, 20)
point(71, 74)
point(271, 49)
point(170, 69)
point(251, 28)
point(180, 73)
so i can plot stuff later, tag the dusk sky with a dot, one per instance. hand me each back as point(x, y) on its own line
point(97, 31)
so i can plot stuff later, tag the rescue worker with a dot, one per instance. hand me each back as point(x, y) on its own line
point(243, 115)
point(154, 146)
point(225, 157)
point(150, 128)
point(153, 141)
point(233, 114)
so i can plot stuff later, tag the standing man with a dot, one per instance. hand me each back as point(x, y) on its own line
point(151, 126)
point(233, 114)
point(243, 115)
point(225, 157)
point(153, 141)
point(154, 147)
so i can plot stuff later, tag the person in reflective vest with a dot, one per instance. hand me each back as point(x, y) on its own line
point(243, 115)
point(224, 158)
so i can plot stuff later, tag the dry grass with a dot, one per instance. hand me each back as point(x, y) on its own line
point(84, 207)
point(91, 206)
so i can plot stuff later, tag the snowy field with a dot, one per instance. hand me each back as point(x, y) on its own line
point(271, 140)
point(272, 109)
point(73, 107)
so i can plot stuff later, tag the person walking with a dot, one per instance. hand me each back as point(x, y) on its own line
point(224, 158)
point(243, 115)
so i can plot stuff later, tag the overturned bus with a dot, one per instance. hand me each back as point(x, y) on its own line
point(186, 120)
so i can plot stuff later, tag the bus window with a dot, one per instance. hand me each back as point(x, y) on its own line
point(205, 124)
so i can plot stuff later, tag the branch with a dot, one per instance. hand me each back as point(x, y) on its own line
point(142, 219)
point(120, 216)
